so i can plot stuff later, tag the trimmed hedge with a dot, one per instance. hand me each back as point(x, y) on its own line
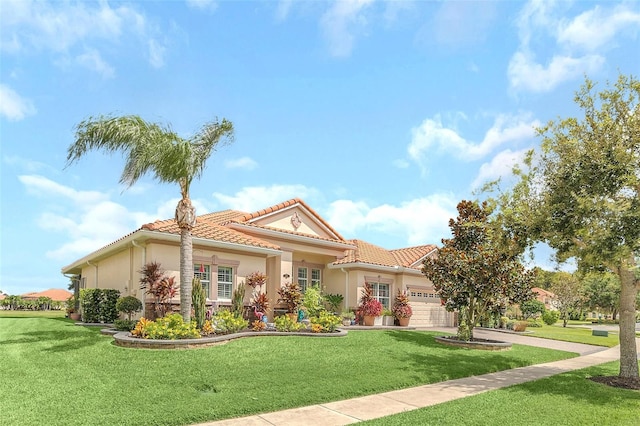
point(99, 305)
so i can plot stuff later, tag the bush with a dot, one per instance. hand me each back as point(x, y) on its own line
point(198, 300)
point(520, 326)
point(129, 305)
point(313, 301)
point(108, 311)
point(99, 305)
point(327, 322)
point(170, 327)
point(550, 317)
point(531, 322)
point(503, 322)
point(226, 322)
point(124, 324)
point(284, 323)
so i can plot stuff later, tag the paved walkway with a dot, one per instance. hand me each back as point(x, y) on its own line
point(374, 406)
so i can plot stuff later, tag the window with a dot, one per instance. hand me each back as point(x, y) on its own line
point(225, 282)
point(303, 278)
point(381, 293)
point(204, 273)
point(315, 277)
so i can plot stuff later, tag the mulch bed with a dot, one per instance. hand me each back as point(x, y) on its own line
point(632, 383)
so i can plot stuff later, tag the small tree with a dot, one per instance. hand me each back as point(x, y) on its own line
point(476, 272)
point(129, 305)
point(568, 293)
point(532, 308)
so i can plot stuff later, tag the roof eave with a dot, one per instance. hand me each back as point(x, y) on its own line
point(142, 235)
point(293, 237)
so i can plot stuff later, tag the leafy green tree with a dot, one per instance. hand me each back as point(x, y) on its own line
point(602, 292)
point(473, 272)
point(532, 307)
point(169, 158)
point(581, 194)
point(569, 296)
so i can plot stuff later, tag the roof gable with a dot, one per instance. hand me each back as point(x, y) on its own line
point(293, 217)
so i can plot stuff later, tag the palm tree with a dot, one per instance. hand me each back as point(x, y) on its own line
point(151, 148)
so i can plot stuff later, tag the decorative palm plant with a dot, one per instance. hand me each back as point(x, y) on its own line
point(401, 307)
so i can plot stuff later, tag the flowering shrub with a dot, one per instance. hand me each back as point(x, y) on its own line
point(258, 325)
point(372, 308)
point(326, 321)
point(284, 323)
point(226, 322)
point(207, 328)
point(170, 327)
point(316, 328)
point(401, 307)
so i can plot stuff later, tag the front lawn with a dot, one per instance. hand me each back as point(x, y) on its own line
point(54, 372)
point(573, 334)
point(565, 399)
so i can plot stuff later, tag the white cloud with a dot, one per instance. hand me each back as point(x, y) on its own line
point(88, 219)
point(500, 166)
point(419, 221)
point(341, 22)
point(26, 164)
point(597, 27)
point(64, 27)
point(245, 163)
point(252, 198)
point(13, 106)
point(207, 5)
point(433, 137)
point(401, 164)
point(156, 53)
point(44, 187)
point(526, 74)
point(575, 46)
point(283, 9)
point(92, 60)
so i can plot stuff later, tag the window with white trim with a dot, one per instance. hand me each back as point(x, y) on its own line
point(203, 272)
point(381, 293)
point(309, 276)
point(225, 282)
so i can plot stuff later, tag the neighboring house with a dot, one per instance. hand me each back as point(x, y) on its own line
point(545, 297)
point(288, 242)
point(55, 294)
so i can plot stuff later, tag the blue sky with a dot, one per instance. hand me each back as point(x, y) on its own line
point(381, 115)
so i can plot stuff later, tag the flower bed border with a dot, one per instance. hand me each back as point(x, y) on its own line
point(124, 339)
point(481, 344)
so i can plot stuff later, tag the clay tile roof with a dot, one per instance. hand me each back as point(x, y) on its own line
point(409, 256)
point(55, 294)
point(249, 217)
point(375, 255)
point(368, 253)
point(207, 227)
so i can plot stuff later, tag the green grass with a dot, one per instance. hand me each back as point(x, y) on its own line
point(54, 372)
point(565, 399)
point(32, 314)
point(573, 334)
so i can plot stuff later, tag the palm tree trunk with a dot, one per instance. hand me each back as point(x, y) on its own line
point(186, 273)
point(628, 350)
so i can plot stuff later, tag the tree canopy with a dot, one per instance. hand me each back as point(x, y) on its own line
point(580, 193)
point(473, 273)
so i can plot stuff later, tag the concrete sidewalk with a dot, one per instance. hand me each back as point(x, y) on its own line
point(374, 406)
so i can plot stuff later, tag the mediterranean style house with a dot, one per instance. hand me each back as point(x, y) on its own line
point(289, 242)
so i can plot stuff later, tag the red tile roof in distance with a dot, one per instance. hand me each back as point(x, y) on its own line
point(55, 294)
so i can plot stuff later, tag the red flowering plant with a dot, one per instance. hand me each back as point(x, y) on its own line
point(369, 305)
point(401, 307)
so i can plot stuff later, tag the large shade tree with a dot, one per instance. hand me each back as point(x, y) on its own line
point(150, 148)
point(476, 272)
point(580, 193)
